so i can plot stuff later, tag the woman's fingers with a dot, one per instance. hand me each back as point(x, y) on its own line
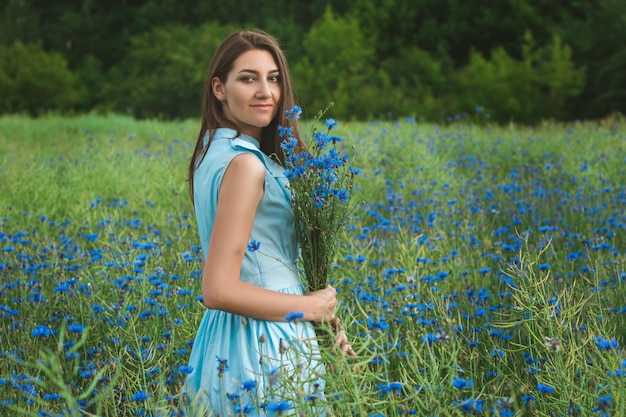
point(333, 302)
point(347, 348)
point(341, 340)
point(326, 304)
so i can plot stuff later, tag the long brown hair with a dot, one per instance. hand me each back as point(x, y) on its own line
point(212, 114)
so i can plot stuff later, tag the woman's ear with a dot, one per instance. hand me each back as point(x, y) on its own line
point(218, 88)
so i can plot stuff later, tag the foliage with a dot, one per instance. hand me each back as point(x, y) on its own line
point(606, 86)
point(164, 71)
point(34, 81)
point(418, 85)
point(336, 65)
point(373, 58)
point(506, 86)
point(91, 77)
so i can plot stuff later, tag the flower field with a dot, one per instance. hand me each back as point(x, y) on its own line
point(483, 271)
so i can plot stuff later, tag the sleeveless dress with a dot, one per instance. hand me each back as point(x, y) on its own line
point(240, 365)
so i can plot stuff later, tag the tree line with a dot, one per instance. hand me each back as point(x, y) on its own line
point(509, 60)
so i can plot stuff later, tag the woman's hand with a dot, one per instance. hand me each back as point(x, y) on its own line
point(326, 303)
point(341, 340)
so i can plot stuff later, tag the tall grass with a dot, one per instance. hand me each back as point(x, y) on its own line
point(482, 272)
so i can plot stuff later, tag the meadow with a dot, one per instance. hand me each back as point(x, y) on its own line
point(483, 271)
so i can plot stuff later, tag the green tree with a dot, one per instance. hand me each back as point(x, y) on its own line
point(404, 47)
point(526, 90)
point(559, 79)
point(91, 78)
point(164, 71)
point(421, 81)
point(336, 65)
point(35, 81)
point(18, 22)
point(599, 43)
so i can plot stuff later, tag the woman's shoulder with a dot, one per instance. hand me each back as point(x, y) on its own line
point(247, 164)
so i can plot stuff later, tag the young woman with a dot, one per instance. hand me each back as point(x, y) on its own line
point(256, 337)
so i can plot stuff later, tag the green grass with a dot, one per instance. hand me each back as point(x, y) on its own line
point(490, 254)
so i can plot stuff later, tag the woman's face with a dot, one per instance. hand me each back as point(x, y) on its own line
point(251, 91)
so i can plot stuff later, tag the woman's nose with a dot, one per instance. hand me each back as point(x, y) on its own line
point(264, 89)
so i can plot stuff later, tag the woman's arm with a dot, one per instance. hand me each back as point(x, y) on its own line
point(241, 192)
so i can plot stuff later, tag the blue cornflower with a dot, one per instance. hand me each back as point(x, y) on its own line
point(290, 174)
point(76, 328)
point(498, 353)
point(503, 407)
point(98, 308)
point(52, 396)
point(545, 389)
point(294, 113)
point(461, 383)
point(355, 171)
point(294, 315)
point(246, 409)
point(72, 355)
point(248, 385)
point(572, 256)
point(153, 371)
point(381, 325)
point(331, 123)
point(254, 245)
point(312, 398)
point(140, 396)
point(606, 344)
point(222, 367)
point(471, 405)
point(285, 131)
point(289, 144)
point(184, 369)
point(334, 139)
point(430, 338)
point(343, 195)
point(393, 387)
point(532, 369)
point(279, 407)
point(41, 330)
point(604, 402)
point(321, 139)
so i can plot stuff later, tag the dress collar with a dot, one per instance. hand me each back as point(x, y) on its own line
point(228, 133)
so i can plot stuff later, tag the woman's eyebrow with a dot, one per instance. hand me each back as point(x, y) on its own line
point(256, 72)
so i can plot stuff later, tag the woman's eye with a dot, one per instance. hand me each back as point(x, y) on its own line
point(247, 78)
point(274, 78)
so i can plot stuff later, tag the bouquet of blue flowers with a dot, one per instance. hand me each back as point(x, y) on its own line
point(320, 180)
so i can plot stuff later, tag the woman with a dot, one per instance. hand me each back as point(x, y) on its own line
point(256, 337)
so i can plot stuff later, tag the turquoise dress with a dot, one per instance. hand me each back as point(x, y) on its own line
point(244, 366)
